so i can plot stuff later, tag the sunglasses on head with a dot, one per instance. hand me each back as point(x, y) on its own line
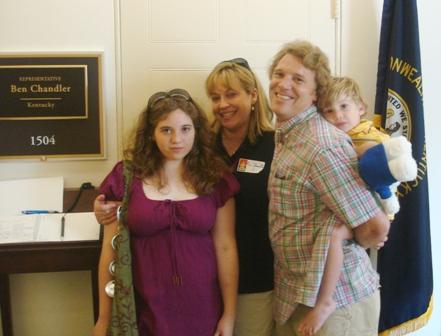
point(239, 61)
point(175, 93)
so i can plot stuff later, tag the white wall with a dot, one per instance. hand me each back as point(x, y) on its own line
point(361, 28)
point(430, 26)
point(64, 299)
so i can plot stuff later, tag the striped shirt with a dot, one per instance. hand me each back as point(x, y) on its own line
point(313, 186)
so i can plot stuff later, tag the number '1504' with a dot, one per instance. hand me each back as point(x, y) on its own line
point(43, 140)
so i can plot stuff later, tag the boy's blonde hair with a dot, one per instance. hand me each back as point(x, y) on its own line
point(341, 86)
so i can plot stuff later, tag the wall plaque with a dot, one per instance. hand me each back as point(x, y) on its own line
point(50, 106)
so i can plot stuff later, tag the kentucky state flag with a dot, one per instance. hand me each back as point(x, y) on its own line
point(405, 263)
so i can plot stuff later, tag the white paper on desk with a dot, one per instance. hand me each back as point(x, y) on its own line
point(18, 229)
point(47, 228)
point(39, 193)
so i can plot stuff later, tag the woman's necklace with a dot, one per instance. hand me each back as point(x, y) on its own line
point(231, 145)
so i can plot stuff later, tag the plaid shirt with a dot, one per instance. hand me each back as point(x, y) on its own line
point(313, 186)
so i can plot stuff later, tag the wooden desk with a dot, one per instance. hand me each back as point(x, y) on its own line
point(49, 257)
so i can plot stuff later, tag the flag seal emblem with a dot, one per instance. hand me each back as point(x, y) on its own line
point(398, 117)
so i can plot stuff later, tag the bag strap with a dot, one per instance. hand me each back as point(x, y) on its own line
point(123, 320)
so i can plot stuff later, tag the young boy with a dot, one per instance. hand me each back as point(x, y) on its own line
point(381, 166)
point(342, 105)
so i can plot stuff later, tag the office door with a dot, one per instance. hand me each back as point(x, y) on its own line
point(173, 43)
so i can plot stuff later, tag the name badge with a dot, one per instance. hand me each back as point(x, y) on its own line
point(250, 166)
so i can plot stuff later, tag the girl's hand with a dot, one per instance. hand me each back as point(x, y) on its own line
point(225, 327)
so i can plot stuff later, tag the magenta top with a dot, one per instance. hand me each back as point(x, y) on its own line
point(173, 257)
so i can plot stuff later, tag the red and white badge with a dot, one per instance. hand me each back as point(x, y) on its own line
point(250, 166)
